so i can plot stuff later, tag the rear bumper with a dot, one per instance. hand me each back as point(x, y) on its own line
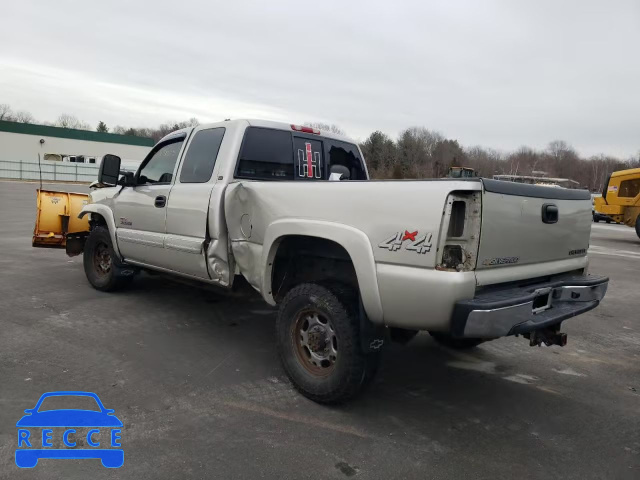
point(515, 310)
point(110, 458)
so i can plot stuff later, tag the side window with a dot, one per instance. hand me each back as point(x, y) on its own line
point(347, 155)
point(159, 168)
point(200, 158)
point(266, 154)
point(629, 188)
point(308, 156)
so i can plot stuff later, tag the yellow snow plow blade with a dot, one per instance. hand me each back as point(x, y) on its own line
point(57, 219)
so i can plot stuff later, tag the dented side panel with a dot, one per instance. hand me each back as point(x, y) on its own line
point(394, 223)
point(220, 260)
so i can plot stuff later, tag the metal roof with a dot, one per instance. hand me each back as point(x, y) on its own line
point(71, 133)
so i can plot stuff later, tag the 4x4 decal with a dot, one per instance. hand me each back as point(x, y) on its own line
point(418, 244)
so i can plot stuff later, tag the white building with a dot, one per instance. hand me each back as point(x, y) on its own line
point(24, 142)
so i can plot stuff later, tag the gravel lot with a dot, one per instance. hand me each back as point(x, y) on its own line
point(195, 378)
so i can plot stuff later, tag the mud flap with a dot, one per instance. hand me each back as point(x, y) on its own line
point(372, 337)
point(75, 243)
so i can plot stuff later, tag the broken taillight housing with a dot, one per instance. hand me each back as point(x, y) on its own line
point(460, 232)
point(453, 257)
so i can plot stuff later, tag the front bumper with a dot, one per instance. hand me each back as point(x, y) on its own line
point(515, 310)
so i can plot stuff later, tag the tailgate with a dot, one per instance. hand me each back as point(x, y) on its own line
point(529, 224)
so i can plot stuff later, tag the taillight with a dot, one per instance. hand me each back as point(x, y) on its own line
point(460, 232)
point(303, 129)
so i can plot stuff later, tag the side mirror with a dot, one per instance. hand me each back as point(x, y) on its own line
point(339, 172)
point(127, 179)
point(109, 170)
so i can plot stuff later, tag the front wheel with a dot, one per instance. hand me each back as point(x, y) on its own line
point(638, 226)
point(101, 265)
point(319, 343)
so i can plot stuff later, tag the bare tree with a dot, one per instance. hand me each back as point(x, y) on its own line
point(5, 112)
point(66, 120)
point(333, 128)
point(486, 162)
point(23, 117)
point(119, 129)
point(446, 154)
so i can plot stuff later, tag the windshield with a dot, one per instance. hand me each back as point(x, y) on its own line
point(66, 402)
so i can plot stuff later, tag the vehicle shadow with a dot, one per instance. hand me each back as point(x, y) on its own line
point(419, 383)
point(426, 399)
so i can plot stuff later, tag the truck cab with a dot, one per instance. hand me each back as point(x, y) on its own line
point(171, 217)
point(620, 200)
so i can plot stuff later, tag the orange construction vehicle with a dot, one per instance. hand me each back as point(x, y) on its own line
point(620, 199)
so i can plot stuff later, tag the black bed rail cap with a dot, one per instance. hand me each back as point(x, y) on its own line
point(535, 191)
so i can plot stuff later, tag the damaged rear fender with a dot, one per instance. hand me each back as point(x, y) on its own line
point(354, 241)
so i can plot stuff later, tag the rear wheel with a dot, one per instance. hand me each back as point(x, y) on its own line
point(319, 344)
point(638, 226)
point(101, 266)
point(456, 343)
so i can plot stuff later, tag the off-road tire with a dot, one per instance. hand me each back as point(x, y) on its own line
point(103, 278)
point(456, 343)
point(352, 370)
point(638, 226)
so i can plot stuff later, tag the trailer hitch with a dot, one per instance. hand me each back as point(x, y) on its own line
point(549, 336)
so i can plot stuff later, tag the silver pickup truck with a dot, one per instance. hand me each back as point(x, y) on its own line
point(349, 261)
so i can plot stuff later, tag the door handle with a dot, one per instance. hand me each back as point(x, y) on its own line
point(549, 213)
point(161, 201)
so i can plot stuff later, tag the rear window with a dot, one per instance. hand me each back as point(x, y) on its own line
point(269, 154)
point(266, 154)
point(348, 155)
point(309, 162)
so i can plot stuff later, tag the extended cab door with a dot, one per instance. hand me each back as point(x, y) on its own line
point(140, 211)
point(188, 212)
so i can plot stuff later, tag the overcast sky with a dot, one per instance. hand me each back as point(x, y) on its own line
point(499, 74)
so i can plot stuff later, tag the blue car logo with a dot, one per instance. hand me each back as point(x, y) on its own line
point(40, 428)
